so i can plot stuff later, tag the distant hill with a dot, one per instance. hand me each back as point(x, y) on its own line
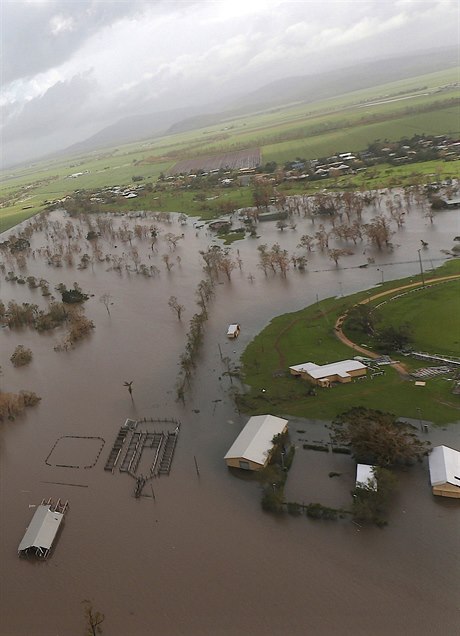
point(131, 129)
point(304, 88)
point(315, 87)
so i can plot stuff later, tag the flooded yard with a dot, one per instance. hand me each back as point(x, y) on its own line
point(197, 556)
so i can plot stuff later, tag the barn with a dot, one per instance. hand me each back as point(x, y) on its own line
point(444, 464)
point(252, 448)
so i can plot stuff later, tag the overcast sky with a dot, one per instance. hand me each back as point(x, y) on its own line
point(69, 68)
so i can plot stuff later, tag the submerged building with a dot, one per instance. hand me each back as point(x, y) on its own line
point(253, 447)
point(444, 464)
point(42, 530)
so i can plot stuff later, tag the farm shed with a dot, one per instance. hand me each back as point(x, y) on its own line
point(324, 375)
point(365, 477)
point(42, 530)
point(444, 464)
point(252, 448)
point(233, 331)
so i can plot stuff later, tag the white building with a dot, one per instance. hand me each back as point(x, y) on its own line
point(365, 477)
point(323, 375)
point(444, 464)
point(252, 448)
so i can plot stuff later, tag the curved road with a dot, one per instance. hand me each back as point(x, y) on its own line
point(367, 352)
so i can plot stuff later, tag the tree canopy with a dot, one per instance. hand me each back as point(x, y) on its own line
point(378, 438)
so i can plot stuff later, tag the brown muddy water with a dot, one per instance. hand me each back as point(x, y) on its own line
point(201, 558)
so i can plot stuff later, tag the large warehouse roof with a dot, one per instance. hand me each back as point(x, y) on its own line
point(255, 440)
point(444, 463)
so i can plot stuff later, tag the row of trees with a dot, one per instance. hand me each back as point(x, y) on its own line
point(187, 362)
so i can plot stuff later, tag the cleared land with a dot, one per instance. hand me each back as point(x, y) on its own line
point(228, 160)
point(308, 335)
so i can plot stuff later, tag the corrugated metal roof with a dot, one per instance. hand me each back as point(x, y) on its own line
point(255, 440)
point(317, 371)
point(365, 475)
point(42, 529)
point(444, 464)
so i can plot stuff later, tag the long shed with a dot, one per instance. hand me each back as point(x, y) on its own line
point(42, 530)
point(252, 448)
point(322, 375)
point(444, 465)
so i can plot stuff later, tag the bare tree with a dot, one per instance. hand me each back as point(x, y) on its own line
point(93, 618)
point(378, 231)
point(106, 300)
point(336, 254)
point(129, 386)
point(167, 261)
point(307, 242)
point(176, 306)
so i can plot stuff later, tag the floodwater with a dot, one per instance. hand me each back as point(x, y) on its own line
point(200, 558)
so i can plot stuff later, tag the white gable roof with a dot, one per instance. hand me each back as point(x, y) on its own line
point(444, 463)
point(255, 440)
point(42, 529)
point(317, 371)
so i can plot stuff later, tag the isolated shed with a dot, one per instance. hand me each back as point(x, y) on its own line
point(233, 331)
point(252, 448)
point(444, 464)
point(42, 530)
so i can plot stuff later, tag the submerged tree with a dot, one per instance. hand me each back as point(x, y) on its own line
point(21, 356)
point(106, 300)
point(176, 306)
point(93, 619)
point(371, 500)
point(378, 438)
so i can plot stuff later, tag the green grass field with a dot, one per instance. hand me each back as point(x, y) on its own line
point(433, 315)
point(308, 335)
point(348, 122)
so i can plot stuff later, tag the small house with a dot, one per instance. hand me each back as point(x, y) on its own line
point(254, 445)
point(233, 331)
point(444, 465)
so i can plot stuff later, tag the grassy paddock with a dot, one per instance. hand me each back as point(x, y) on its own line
point(308, 335)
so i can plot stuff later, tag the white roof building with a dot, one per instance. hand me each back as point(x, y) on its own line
point(342, 371)
point(365, 477)
point(444, 464)
point(42, 530)
point(233, 330)
point(252, 448)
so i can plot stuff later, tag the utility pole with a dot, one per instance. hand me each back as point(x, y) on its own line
point(421, 267)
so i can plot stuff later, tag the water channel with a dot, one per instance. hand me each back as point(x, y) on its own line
point(201, 558)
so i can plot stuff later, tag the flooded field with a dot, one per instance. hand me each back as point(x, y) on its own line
point(198, 557)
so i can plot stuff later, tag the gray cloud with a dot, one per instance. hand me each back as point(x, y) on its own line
point(70, 67)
